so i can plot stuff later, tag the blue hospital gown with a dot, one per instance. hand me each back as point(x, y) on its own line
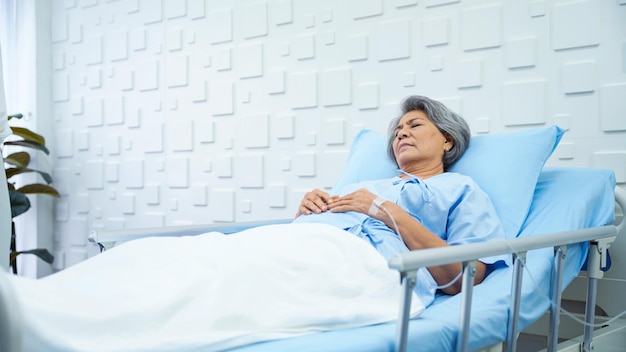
point(450, 205)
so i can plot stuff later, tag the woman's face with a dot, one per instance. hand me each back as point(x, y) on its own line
point(418, 144)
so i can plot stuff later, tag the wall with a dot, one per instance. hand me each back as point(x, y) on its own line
point(170, 112)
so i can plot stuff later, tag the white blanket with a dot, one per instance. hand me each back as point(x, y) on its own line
point(211, 291)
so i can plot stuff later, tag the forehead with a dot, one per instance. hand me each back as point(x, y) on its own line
point(413, 115)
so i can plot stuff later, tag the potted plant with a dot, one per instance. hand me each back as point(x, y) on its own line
point(17, 163)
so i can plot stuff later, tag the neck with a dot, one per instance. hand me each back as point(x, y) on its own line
point(423, 172)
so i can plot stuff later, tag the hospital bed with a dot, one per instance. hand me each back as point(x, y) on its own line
point(557, 221)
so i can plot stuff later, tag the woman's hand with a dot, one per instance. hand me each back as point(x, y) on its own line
point(359, 201)
point(315, 201)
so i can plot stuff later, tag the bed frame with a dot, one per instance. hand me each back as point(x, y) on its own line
point(599, 239)
point(407, 264)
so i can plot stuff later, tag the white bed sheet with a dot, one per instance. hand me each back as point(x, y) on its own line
point(211, 292)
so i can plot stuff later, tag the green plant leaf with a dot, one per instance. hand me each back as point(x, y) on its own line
point(12, 171)
point(28, 144)
point(19, 159)
point(19, 203)
point(38, 188)
point(29, 135)
point(42, 253)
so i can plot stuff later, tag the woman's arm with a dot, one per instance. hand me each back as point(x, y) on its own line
point(413, 233)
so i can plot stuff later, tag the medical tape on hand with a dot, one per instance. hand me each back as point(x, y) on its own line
point(376, 204)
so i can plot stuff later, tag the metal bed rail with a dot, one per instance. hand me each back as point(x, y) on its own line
point(109, 238)
point(599, 239)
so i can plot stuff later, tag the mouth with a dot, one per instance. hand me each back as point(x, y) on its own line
point(403, 145)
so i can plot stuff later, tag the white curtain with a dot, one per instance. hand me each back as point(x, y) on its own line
point(5, 206)
point(8, 37)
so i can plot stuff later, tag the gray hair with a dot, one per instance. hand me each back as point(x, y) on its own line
point(449, 123)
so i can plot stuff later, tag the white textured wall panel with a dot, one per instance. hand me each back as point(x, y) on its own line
point(304, 47)
point(276, 82)
point(436, 31)
point(328, 171)
point(281, 12)
point(220, 26)
point(469, 74)
point(613, 107)
point(204, 131)
point(152, 11)
point(82, 204)
point(128, 203)
point(393, 40)
point(114, 110)
point(255, 131)
point(60, 87)
point(59, 28)
point(253, 20)
point(521, 52)
point(112, 171)
point(336, 87)
point(366, 8)
point(221, 98)
point(177, 71)
point(579, 77)
point(250, 170)
point(65, 144)
point(138, 39)
point(152, 134)
point(357, 48)
point(612, 160)
point(334, 131)
point(188, 111)
point(283, 126)
point(113, 145)
point(148, 75)
point(567, 31)
point(94, 79)
point(367, 96)
point(93, 50)
point(94, 174)
point(117, 46)
point(94, 112)
point(249, 60)
point(133, 171)
point(481, 27)
point(222, 204)
point(432, 3)
point(303, 90)
point(523, 103)
point(175, 8)
point(177, 169)
point(199, 194)
point(197, 9)
point(180, 135)
point(224, 166)
point(58, 61)
point(565, 150)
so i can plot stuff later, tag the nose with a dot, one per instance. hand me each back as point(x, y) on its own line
point(402, 133)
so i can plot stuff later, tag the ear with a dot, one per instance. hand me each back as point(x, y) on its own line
point(449, 142)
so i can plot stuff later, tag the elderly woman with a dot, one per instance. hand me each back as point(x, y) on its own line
point(263, 283)
point(424, 206)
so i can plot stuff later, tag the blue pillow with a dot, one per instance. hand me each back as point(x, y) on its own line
point(506, 166)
